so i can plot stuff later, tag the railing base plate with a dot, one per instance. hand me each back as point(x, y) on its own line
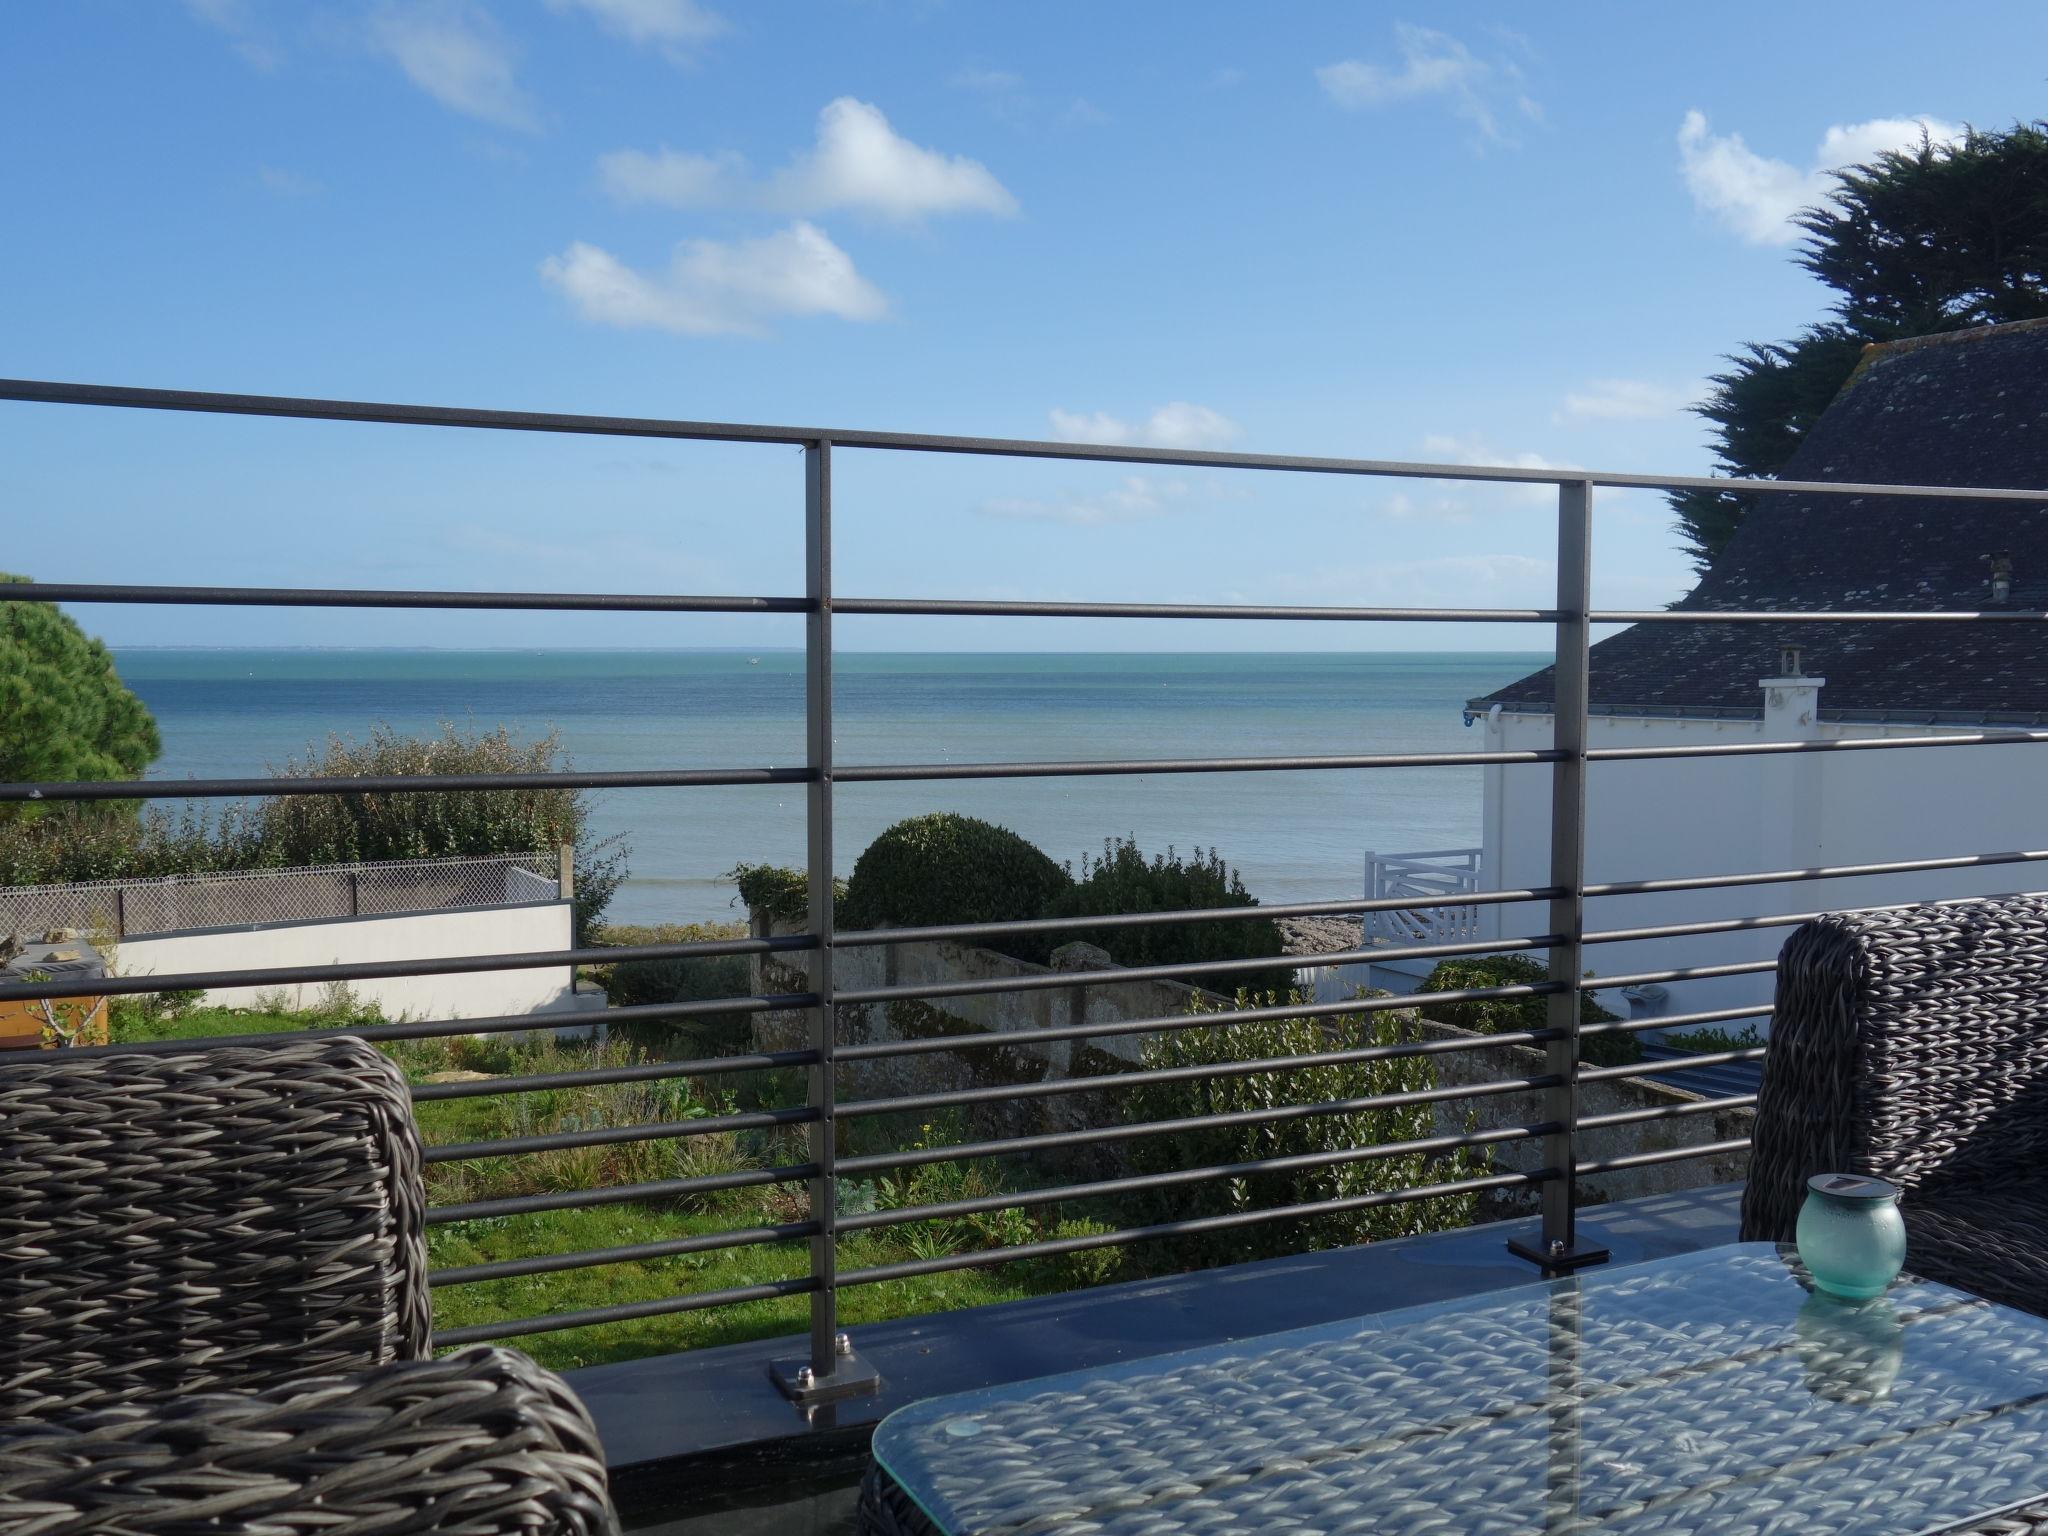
point(1559, 1260)
point(851, 1377)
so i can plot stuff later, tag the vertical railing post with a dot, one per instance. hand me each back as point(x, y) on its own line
point(831, 1368)
point(1558, 1248)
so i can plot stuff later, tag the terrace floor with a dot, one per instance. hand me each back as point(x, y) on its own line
point(703, 1443)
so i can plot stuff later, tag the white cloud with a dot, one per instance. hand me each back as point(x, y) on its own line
point(859, 162)
point(237, 18)
point(1425, 509)
point(1177, 424)
point(714, 287)
point(676, 27)
point(1449, 448)
point(285, 183)
point(1135, 497)
point(454, 51)
point(1626, 400)
point(1757, 196)
point(1433, 64)
point(674, 178)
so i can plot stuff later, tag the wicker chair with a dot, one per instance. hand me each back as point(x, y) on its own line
point(213, 1313)
point(1913, 1045)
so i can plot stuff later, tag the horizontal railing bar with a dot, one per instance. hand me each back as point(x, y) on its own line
point(1192, 1227)
point(440, 965)
point(1818, 616)
point(954, 932)
point(1164, 1023)
point(1674, 1020)
point(1263, 611)
point(1825, 872)
point(592, 1258)
point(1667, 1155)
point(435, 1029)
point(1682, 973)
point(1103, 1135)
point(1845, 744)
point(1251, 1168)
point(617, 1194)
point(1118, 1081)
point(1175, 972)
point(1780, 920)
point(56, 392)
point(643, 1072)
point(1666, 1111)
point(1087, 768)
point(625, 1312)
point(392, 784)
point(616, 1135)
point(1684, 1063)
point(374, 597)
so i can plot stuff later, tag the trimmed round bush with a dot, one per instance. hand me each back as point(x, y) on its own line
point(947, 868)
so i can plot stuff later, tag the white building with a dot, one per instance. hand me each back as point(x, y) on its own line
point(1969, 408)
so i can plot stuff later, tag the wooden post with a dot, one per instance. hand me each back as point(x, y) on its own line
point(565, 870)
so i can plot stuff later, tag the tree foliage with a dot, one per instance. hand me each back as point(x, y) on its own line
point(1935, 237)
point(64, 712)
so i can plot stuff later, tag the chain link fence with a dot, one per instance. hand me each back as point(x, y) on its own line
point(178, 903)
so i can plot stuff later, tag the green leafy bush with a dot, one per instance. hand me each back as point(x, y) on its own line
point(1220, 1044)
point(1512, 1015)
point(632, 982)
point(1709, 1037)
point(1124, 880)
point(288, 831)
point(784, 894)
point(946, 868)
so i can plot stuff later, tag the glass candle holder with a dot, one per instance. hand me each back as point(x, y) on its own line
point(1851, 1236)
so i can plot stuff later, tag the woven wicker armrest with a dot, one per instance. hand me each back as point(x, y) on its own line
point(481, 1443)
point(204, 1221)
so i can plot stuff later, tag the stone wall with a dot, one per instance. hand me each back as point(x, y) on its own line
point(1096, 996)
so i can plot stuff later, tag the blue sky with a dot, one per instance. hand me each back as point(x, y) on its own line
point(1470, 232)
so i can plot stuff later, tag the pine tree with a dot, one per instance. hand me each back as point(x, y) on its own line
point(64, 712)
point(1937, 237)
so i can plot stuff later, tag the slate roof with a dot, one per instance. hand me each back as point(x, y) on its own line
point(1965, 408)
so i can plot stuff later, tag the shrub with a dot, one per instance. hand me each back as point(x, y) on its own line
point(946, 868)
point(632, 982)
point(1219, 1044)
point(782, 893)
point(286, 831)
point(1508, 1015)
point(1124, 880)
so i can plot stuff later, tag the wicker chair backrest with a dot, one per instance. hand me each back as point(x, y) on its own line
point(204, 1221)
point(1912, 1045)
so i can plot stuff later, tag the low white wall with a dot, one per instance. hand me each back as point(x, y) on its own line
point(361, 940)
point(1711, 816)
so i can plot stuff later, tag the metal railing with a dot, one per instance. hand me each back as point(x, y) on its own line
point(1438, 872)
point(1564, 942)
point(134, 908)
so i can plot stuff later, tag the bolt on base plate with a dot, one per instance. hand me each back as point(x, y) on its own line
point(850, 1377)
point(1558, 1258)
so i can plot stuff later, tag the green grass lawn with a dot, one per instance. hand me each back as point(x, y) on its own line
point(488, 1117)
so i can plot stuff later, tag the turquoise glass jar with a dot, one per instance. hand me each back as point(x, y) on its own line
point(1851, 1236)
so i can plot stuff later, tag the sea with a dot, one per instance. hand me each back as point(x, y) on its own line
point(1294, 836)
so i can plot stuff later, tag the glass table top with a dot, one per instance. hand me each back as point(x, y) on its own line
point(1713, 1392)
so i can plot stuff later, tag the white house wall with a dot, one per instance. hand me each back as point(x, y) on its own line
point(362, 940)
point(1705, 816)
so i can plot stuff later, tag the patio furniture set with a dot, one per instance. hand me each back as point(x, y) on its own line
point(213, 1315)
